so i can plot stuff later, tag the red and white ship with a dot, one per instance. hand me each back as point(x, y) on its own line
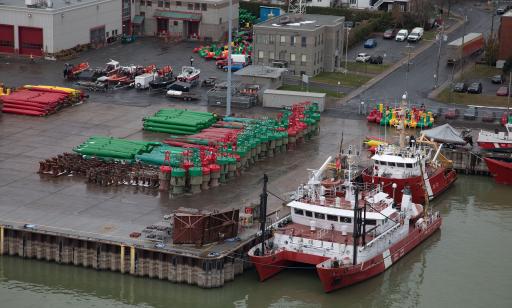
point(319, 232)
point(419, 166)
point(497, 141)
point(189, 74)
point(501, 170)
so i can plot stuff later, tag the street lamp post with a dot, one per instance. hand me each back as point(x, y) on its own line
point(346, 51)
point(230, 34)
point(508, 97)
point(339, 90)
point(440, 42)
point(409, 47)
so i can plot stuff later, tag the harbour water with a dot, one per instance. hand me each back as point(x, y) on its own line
point(467, 264)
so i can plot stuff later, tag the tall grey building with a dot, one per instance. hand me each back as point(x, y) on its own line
point(305, 44)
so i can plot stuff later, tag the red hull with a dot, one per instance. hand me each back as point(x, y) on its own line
point(337, 278)
point(498, 146)
point(500, 170)
point(439, 182)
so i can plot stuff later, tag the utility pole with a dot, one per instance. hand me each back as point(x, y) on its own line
point(409, 46)
point(462, 47)
point(230, 35)
point(346, 51)
point(508, 97)
point(440, 42)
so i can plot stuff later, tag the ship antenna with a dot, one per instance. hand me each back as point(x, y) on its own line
point(263, 212)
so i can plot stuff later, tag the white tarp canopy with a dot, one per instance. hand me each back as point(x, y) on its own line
point(444, 133)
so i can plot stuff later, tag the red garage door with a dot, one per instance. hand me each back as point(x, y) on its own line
point(31, 41)
point(7, 38)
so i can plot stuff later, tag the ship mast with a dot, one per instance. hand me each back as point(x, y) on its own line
point(263, 212)
point(401, 124)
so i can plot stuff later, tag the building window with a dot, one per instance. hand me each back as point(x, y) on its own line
point(220, 20)
point(292, 58)
point(175, 22)
point(142, 2)
point(167, 4)
point(315, 41)
point(271, 39)
point(261, 54)
point(203, 7)
point(370, 222)
point(160, 4)
point(292, 40)
point(309, 214)
point(178, 3)
point(298, 211)
point(142, 13)
point(106, 34)
point(353, 1)
point(190, 6)
point(332, 218)
point(346, 219)
point(303, 59)
point(319, 216)
point(197, 6)
point(303, 41)
point(149, 3)
point(271, 55)
point(283, 39)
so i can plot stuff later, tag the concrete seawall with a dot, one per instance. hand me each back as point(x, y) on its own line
point(116, 257)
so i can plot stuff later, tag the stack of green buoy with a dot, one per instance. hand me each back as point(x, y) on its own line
point(178, 121)
point(114, 148)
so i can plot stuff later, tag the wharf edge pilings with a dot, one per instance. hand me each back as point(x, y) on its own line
point(470, 162)
point(125, 259)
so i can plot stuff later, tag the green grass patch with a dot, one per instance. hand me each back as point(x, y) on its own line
point(312, 89)
point(481, 71)
point(366, 67)
point(429, 35)
point(448, 96)
point(348, 80)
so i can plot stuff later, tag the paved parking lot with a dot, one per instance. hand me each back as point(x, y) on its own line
point(391, 50)
point(144, 51)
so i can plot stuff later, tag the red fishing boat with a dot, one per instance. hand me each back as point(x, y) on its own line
point(497, 141)
point(419, 166)
point(500, 170)
point(349, 232)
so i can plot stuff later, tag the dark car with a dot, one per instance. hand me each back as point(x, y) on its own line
point(502, 91)
point(370, 43)
point(475, 88)
point(488, 116)
point(460, 87)
point(389, 34)
point(471, 113)
point(501, 10)
point(180, 86)
point(376, 59)
point(451, 113)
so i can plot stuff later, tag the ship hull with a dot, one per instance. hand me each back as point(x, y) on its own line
point(337, 278)
point(439, 182)
point(270, 265)
point(496, 146)
point(500, 170)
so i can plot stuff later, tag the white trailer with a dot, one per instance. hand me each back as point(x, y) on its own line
point(142, 81)
point(282, 98)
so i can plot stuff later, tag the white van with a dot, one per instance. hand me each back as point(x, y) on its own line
point(402, 35)
point(416, 34)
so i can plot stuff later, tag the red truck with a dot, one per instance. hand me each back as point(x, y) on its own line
point(456, 50)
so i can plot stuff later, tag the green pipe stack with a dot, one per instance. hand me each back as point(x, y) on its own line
point(114, 148)
point(157, 156)
point(178, 121)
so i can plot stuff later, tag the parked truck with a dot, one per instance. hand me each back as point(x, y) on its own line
point(456, 50)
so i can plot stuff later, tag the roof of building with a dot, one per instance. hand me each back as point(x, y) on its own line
point(261, 71)
point(48, 4)
point(295, 93)
point(301, 22)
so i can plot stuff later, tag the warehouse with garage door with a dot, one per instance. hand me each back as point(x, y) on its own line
point(45, 27)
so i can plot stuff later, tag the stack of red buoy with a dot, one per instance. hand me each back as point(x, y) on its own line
point(40, 100)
